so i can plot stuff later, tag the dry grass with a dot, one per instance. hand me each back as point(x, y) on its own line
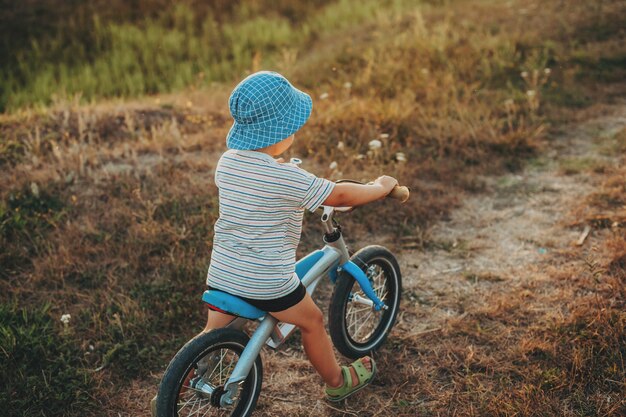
point(106, 212)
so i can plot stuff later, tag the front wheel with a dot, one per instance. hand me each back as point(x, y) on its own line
point(356, 328)
point(194, 380)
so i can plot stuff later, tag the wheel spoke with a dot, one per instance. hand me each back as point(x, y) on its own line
point(223, 353)
point(215, 367)
point(355, 310)
point(218, 365)
point(365, 322)
point(193, 407)
point(361, 321)
point(192, 399)
point(207, 404)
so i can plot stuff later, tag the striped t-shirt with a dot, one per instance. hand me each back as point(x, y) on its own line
point(261, 205)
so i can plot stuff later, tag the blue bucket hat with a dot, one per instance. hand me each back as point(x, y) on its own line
point(266, 109)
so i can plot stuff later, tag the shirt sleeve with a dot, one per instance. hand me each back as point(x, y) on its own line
point(318, 191)
point(303, 189)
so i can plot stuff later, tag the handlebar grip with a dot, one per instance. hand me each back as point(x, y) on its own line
point(400, 192)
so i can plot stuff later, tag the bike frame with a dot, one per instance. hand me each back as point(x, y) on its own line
point(329, 260)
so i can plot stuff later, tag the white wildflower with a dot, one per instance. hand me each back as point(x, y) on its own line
point(360, 156)
point(524, 74)
point(323, 96)
point(384, 136)
point(375, 144)
point(531, 93)
point(35, 189)
point(65, 319)
point(333, 165)
point(347, 85)
point(547, 71)
point(341, 146)
point(400, 157)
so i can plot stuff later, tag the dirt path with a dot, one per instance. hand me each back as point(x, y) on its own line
point(501, 241)
point(497, 239)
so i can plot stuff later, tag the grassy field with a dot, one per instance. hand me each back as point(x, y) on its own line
point(107, 201)
point(106, 50)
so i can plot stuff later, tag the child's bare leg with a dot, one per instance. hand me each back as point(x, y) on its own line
point(308, 317)
point(216, 320)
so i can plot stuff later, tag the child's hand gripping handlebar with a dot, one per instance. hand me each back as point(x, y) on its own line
point(400, 192)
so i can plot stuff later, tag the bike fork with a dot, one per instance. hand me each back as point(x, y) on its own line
point(356, 272)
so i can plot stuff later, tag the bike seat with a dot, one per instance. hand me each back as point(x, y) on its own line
point(232, 304)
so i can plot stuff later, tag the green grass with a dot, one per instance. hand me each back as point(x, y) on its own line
point(42, 371)
point(577, 165)
point(182, 46)
point(26, 217)
point(168, 53)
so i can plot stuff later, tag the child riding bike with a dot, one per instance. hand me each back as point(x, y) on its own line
point(261, 206)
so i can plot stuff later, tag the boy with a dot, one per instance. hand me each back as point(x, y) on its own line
point(261, 204)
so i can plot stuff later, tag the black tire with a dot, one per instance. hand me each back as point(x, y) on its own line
point(203, 356)
point(344, 313)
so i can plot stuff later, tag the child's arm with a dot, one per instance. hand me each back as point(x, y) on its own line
point(348, 194)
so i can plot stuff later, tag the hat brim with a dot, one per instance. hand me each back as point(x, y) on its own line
point(250, 137)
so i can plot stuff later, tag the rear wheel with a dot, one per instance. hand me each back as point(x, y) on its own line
point(356, 328)
point(194, 380)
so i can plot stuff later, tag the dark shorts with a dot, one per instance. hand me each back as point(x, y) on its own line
point(278, 304)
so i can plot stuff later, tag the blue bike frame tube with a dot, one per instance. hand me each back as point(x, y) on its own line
point(248, 356)
point(330, 259)
point(352, 268)
point(333, 255)
point(340, 250)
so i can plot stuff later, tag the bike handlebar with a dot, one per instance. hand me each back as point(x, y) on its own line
point(400, 192)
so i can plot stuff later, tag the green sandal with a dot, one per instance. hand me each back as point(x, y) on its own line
point(363, 374)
